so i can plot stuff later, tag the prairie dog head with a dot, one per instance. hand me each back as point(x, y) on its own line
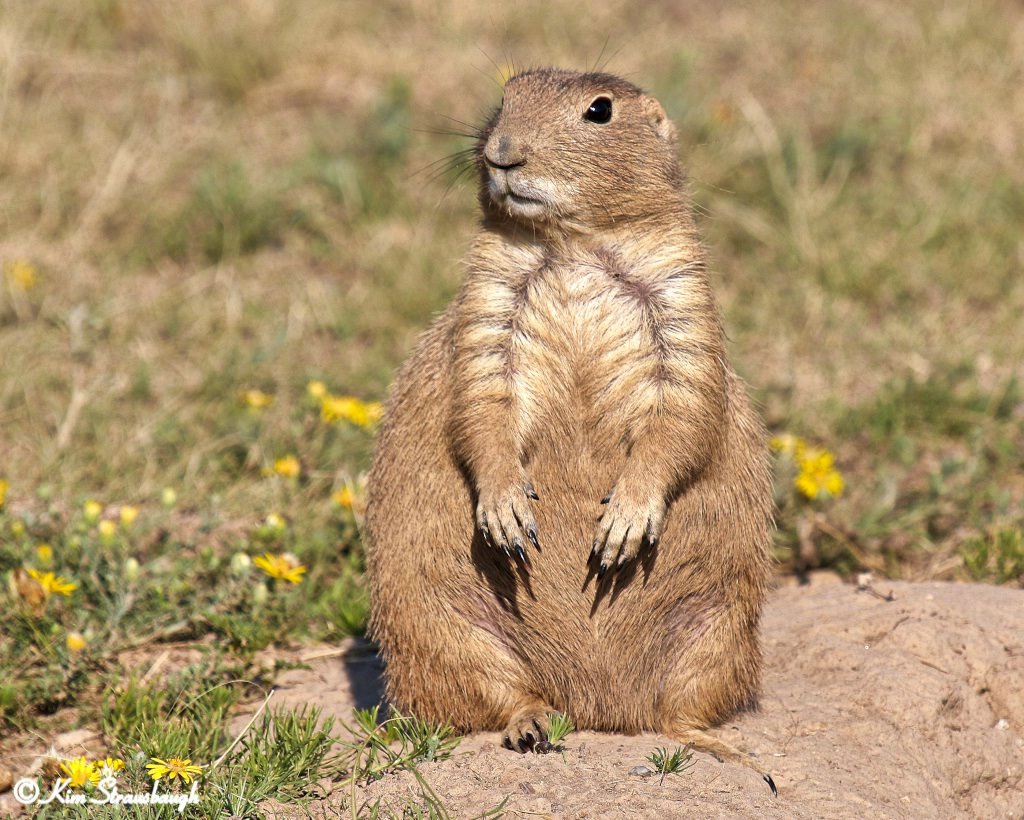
point(577, 152)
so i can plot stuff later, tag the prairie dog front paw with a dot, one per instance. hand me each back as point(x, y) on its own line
point(627, 523)
point(505, 518)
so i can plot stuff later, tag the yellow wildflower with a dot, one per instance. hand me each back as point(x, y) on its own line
point(108, 529)
point(316, 390)
point(76, 642)
point(788, 444)
point(128, 516)
point(275, 523)
point(80, 771)
point(44, 552)
point(17, 528)
point(21, 275)
point(818, 476)
point(344, 498)
point(283, 566)
point(256, 399)
point(288, 466)
point(336, 408)
point(350, 409)
point(168, 497)
point(374, 412)
point(53, 583)
point(174, 767)
point(4, 487)
point(109, 767)
point(92, 511)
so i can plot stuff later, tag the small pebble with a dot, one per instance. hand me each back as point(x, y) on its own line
point(641, 771)
point(526, 788)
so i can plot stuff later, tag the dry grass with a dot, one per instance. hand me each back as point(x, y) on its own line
point(222, 198)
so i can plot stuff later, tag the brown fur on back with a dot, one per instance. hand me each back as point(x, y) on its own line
point(583, 360)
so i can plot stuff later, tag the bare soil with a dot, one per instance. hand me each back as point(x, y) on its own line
point(905, 708)
point(910, 707)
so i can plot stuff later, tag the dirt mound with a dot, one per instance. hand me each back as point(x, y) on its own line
point(912, 707)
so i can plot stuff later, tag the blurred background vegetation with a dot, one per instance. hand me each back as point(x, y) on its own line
point(200, 199)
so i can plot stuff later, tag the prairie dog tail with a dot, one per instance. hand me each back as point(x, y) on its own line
point(703, 741)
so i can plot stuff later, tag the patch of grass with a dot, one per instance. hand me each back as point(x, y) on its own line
point(419, 741)
point(560, 726)
point(184, 716)
point(343, 609)
point(947, 404)
point(998, 557)
point(231, 54)
point(230, 214)
point(399, 743)
point(285, 755)
point(665, 762)
point(83, 585)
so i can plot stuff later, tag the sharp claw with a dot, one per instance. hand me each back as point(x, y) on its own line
point(601, 571)
point(523, 746)
point(507, 742)
point(771, 784)
point(531, 533)
point(532, 493)
point(606, 499)
point(517, 547)
point(593, 549)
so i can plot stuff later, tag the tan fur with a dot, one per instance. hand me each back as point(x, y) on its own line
point(582, 359)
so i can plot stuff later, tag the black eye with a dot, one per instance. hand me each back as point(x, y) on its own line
point(600, 111)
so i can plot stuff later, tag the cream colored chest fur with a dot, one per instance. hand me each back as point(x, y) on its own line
point(601, 342)
point(582, 352)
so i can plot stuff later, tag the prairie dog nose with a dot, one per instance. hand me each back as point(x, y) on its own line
point(501, 152)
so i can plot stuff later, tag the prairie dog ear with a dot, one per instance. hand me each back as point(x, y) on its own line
point(658, 119)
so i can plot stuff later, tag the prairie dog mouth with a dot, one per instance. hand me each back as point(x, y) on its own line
point(518, 197)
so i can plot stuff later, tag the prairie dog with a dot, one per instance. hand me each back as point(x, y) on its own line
point(570, 503)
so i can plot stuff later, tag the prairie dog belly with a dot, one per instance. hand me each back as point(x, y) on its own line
point(583, 363)
point(583, 372)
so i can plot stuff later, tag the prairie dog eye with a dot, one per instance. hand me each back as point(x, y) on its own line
point(600, 111)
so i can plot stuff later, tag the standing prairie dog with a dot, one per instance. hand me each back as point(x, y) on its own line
point(570, 503)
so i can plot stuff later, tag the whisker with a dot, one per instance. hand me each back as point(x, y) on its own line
point(497, 68)
point(444, 132)
point(601, 54)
